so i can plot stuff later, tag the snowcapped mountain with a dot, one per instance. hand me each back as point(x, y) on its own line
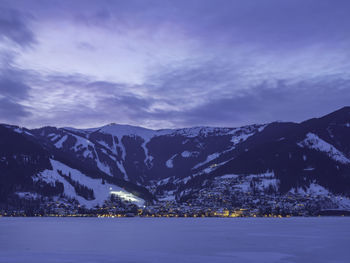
point(142, 155)
point(142, 165)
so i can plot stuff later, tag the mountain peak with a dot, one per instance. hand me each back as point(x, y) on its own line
point(121, 130)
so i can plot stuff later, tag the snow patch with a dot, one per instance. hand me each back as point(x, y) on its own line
point(260, 181)
point(243, 133)
point(122, 169)
point(81, 143)
point(209, 159)
point(148, 158)
point(21, 130)
point(54, 136)
point(229, 176)
point(27, 195)
point(18, 130)
point(164, 181)
point(104, 168)
point(169, 163)
point(187, 154)
point(312, 141)
point(103, 143)
point(186, 179)
point(61, 141)
point(313, 189)
point(101, 166)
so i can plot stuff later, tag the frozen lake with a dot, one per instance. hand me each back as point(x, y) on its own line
point(36, 240)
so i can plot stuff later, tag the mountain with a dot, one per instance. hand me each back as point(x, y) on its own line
point(143, 165)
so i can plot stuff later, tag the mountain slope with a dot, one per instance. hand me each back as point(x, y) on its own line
point(175, 163)
point(30, 165)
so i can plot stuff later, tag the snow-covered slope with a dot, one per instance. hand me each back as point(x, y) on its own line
point(312, 141)
point(101, 190)
point(178, 160)
point(140, 155)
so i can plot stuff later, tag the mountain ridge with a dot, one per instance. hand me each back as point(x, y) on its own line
point(176, 163)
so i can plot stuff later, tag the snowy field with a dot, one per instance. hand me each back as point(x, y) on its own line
point(88, 240)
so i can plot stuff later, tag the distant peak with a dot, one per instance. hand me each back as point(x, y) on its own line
point(125, 126)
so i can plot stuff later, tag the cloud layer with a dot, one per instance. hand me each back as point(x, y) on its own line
point(166, 64)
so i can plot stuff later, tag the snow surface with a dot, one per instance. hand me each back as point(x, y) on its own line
point(61, 141)
point(103, 143)
point(266, 178)
point(174, 240)
point(209, 159)
point(167, 196)
point(102, 166)
point(147, 134)
point(229, 176)
point(313, 189)
point(316, 189)
point(18, 130)
point(102, 192)
point(27, 195)
point(243, 133)
point(122, 169)
point(81, 142)
point(169, 163)
point(21, 130)
point(199, 131)
point(312, 141)
point(263, 181)
point(53, 136)
point(241, 138)
point(187, 154)
point(164, 181)
point(122, 149)
point(120, 131)
point(184, 180)
point(212, 168)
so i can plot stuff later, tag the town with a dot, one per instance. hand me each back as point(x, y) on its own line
point(225, 196)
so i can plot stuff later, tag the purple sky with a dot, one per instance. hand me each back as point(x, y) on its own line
point(179, 63)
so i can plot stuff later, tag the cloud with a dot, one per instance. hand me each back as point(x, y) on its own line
point(263, 103)
point(173, 63)
point(191, 93)
point(14, 27)
point(94, 103)
point(13, 90)
point(11, 112)
point(271, 23)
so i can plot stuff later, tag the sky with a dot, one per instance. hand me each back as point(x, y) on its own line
point(172, 63)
